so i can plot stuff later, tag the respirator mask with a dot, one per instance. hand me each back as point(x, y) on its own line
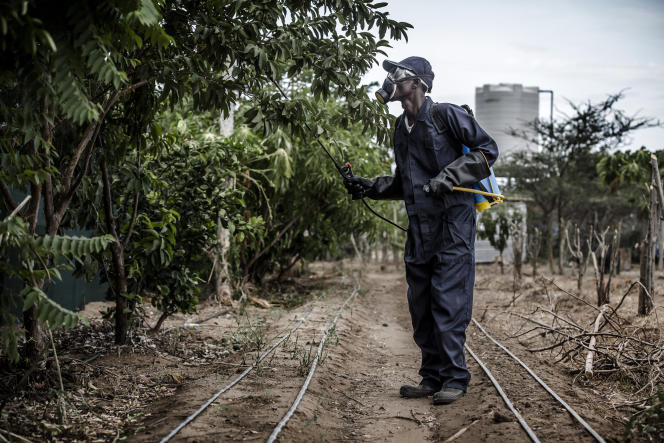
point(386, 92)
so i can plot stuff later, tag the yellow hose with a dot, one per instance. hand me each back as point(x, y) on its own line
point(498, 197)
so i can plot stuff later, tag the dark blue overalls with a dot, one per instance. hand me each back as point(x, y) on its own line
point(440, 254)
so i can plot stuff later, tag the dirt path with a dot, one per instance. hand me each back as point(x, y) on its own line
point(354, 395)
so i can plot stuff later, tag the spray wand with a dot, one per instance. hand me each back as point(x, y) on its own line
point(346, 171)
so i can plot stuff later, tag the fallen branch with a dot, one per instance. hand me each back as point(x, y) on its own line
point(16, 436)
point(259, 301)
point(591, 353)
point(459, 432)
point(348, 396)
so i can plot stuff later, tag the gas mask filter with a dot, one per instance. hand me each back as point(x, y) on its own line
point(386, 93)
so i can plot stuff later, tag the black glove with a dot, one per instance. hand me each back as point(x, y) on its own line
point(463, 171)
point(358, 186)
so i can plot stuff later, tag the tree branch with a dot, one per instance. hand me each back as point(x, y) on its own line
point(134, 211)
point(89, 136)
point(49, 212)
point(276, 239)
point(9, 201)
point(108, 200)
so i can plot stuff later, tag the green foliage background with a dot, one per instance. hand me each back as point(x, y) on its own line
point(108, 117)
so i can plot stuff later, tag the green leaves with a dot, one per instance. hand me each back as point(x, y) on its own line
point(494, 226)
point(48, 310)
point(74, 247)
point(80, 81)
point(19, 253)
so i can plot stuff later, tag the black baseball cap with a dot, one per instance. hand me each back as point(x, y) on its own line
point(419, 65)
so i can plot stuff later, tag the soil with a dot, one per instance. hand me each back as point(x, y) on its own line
point(143, 391)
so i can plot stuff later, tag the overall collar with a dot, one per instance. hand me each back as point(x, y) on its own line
point(422, 113)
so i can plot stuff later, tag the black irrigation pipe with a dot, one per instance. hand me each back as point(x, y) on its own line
point(507, 401)
point(237, 380)
point(314, 364)
point(574, 414)
point(91, 359)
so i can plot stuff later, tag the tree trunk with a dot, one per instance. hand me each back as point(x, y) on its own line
point(222, 277)
point(290, 265)
point(646, 293)
point(358, 254)
point(119, 282)
point(35, 335)
point(657, 183)
point(517, 234)
point(396, 252)
point(660, 246)
point(645, 303)
point(160, 321)
point(533, 247)
point(549, 241)
point(385, 236)
point(562, 248)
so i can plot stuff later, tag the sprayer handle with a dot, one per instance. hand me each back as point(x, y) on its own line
point(347, 172)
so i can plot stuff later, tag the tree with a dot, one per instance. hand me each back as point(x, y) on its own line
point(23, 256)
point(569, 149)
point(64, 67)
point(306, 209)
point(71, 72)
point(495, 227)
point(637, 175)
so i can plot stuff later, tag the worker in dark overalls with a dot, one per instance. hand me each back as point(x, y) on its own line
point(439, 254)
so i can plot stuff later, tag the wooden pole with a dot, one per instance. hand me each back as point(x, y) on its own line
point(648, 258)
point(657, 182)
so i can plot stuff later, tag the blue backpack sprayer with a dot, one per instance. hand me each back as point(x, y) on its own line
point(486, 190)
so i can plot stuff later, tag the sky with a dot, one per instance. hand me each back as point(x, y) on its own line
point(582, 50)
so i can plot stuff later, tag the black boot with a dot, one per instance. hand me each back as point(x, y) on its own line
point(419, 391)
point(447, 395)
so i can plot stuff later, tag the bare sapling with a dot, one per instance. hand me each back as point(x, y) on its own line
point(603, 254)
point(647, 253)
point(576, 250)
point(358, 254)
point(562, 248)
point(647, 259)
point(533, 247)
point(516, 232)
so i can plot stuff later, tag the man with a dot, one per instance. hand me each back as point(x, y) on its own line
point(439, 254)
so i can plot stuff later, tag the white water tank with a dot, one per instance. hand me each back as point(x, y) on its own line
point(503, 106)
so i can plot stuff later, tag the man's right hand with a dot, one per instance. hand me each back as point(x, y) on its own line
point(358, 186)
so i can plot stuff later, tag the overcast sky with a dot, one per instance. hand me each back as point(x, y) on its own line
point(581, 49)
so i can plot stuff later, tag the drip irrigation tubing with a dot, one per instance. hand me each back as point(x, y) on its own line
point(236, 381)
point(314, 364)
point(507, 401)
point(572, 412)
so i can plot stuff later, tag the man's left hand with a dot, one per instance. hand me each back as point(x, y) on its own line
point(439, 185)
